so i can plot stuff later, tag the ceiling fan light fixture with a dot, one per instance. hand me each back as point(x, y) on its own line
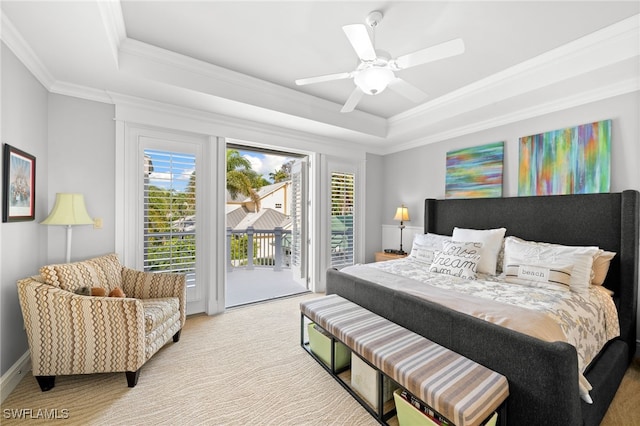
point(373, 80)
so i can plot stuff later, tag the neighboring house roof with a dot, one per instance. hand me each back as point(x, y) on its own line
point(240, 218)
point(268, 189)
point(235, 216)
point(263, 220)
point(262, 192)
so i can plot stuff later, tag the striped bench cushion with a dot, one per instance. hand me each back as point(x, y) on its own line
point(458, 388)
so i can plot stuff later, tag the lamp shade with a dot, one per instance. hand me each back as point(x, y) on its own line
point(69, 209)
point(402, 214)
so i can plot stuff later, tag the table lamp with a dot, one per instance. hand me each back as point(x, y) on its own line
point(68, 210)
point(402, 214)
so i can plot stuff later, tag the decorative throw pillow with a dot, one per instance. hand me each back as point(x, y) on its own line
point(104, 271)
point(491, 240)
point(554, 277)
point(424, 246)
point(601, 266)
point(458, 265)
point(518, 251)
point(462, 248)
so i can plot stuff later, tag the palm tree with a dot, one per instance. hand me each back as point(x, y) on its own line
point(278, 176)
point(241, 179)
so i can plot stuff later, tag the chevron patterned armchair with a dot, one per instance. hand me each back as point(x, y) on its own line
point(69, 333)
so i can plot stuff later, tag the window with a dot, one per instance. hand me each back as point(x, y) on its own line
point(170, 213)
point(342, 210)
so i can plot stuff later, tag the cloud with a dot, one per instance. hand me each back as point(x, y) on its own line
point(265, 163)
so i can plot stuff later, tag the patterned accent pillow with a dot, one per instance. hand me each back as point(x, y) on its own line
point(553, 277)
point(491, 240)
point(459, 265)
point(104, 271)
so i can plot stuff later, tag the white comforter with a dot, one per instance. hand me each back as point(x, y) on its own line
point(584, 321)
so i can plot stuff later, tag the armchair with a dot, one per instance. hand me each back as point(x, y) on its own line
point(70, 333)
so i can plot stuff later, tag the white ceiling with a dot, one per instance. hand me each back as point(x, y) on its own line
point(240, 59)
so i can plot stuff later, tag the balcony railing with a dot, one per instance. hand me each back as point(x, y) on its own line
point(269, 248)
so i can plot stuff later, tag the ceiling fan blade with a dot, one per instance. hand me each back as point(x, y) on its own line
point(430, 54)
point(407, 90)
point(353, 100)
point(359, 38)
point(322, 78)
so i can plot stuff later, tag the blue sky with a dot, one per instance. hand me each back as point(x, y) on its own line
point(163, 177)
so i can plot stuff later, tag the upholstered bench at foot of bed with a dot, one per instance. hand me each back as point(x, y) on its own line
point(458, 388)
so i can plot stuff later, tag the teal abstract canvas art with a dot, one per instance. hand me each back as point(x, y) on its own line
point(475, 172)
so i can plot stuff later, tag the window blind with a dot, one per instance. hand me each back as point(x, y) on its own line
point(342, 210)
point(170, 213)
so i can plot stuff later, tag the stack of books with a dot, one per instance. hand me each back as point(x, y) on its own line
point(433, 415)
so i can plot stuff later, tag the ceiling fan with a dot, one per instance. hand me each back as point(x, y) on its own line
point(376, 70)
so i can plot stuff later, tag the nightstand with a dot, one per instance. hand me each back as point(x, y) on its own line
point(382, 256)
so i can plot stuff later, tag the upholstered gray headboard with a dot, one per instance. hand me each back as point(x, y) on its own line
point(609, 221)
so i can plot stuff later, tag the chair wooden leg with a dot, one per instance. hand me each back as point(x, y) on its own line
point(176, 337)
point(132, 377)
point(46, 382)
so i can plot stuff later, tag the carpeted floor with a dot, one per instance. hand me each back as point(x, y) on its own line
point(244, 367)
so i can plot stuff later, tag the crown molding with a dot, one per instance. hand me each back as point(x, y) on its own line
point(154, 113)
point(113, 22)
point(14, 41)
point(610, 45)
point(190, 73)
point(82, 92)
point(600, 93)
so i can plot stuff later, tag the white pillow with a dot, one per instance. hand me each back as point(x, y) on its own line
point(424, 246)
point(463, 266)
point(491, 240)
point(517, 251)
point(554, 277)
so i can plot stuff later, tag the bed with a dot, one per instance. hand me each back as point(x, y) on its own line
point(543, 376)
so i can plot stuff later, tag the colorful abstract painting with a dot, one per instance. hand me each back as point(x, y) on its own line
point(575, 160)
point(475, 172)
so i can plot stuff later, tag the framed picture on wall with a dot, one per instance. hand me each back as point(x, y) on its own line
point(18, 185)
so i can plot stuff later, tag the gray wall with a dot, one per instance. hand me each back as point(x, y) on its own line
point(413, 175)
point(82, 159)
point(373, 201)
point(73, 141)
point(24, 244)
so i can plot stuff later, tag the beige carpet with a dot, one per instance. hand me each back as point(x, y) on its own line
point(244, 367)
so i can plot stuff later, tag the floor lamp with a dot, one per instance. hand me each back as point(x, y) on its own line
point(402, 214)
point(68, 210)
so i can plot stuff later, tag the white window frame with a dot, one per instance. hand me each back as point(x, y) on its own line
point(130, 206)
point(328, 165)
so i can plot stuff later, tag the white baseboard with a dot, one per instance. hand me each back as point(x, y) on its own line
point(12, 377)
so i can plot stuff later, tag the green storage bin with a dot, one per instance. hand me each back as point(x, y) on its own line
point(320, 345)
point(408, 415)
